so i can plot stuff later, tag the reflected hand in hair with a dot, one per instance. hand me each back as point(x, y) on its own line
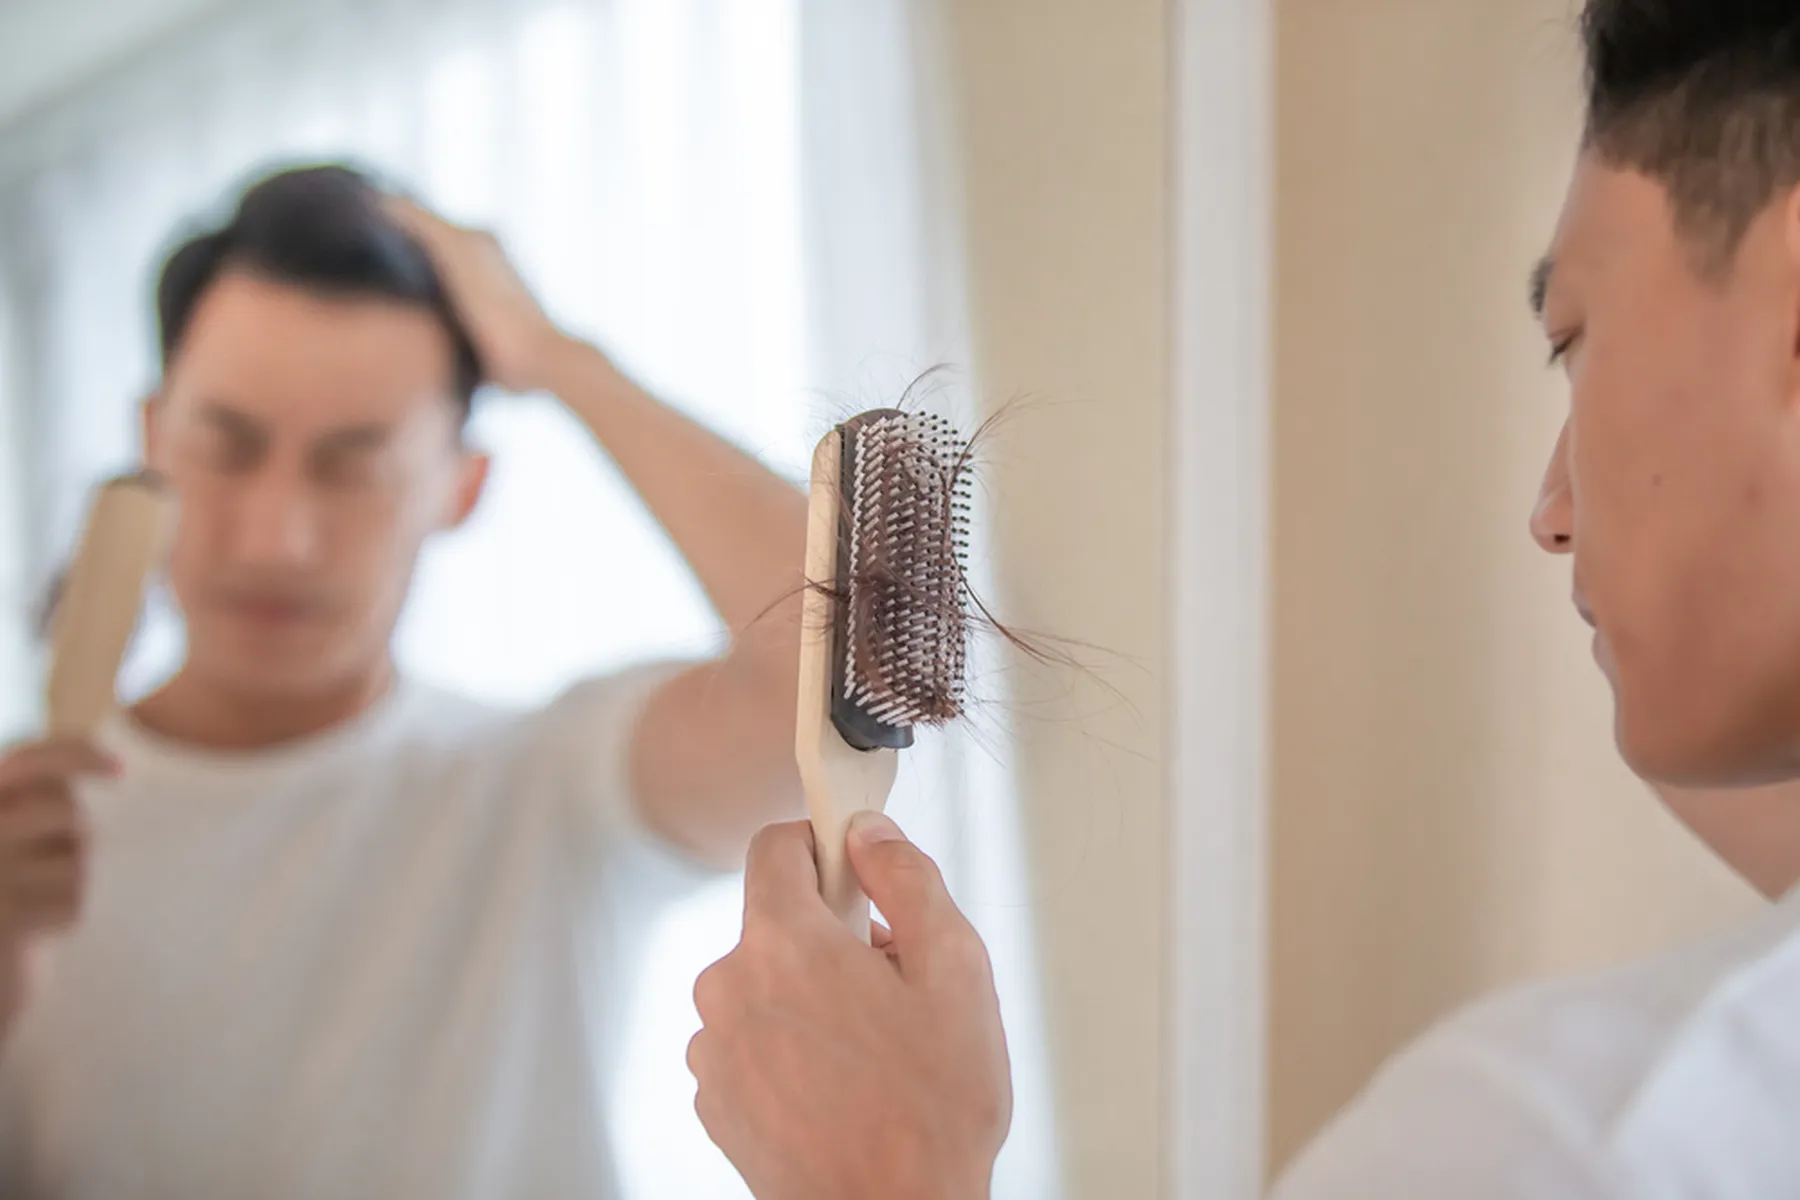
point(513, 336)
point(830, 1068)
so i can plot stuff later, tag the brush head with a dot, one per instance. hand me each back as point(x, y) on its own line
point(903, 605)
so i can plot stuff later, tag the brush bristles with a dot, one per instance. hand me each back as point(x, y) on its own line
point(907, 608)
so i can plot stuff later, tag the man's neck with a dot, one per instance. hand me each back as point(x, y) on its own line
point(207, 714)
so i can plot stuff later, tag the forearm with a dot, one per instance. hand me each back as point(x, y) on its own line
point(714, 756)
point(714, 762)
point(741, 527)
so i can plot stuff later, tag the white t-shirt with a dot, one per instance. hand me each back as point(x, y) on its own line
point(389, 961)
point(1674, 1077)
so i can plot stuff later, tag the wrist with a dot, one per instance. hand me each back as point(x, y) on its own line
point(568, 365)
point(965, 1189)
point(921, 1179)
point(551, 357)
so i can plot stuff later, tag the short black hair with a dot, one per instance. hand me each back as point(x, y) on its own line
point(322, 228)
point(1702, 96)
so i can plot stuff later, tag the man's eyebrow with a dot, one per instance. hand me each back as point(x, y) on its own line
point(354, 439)
point(1540, 285)
point(222, 417)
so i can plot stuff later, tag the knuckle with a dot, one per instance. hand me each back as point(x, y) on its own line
point(773, 952)
point(968, 956)
point(39, 765)
point(55, 803)
point(992, 1111)
point(696, 1056)
point(767, 839)
point(708, 1110)
point(910, 864)
point(712, 992)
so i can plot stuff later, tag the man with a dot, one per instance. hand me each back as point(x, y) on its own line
point(321, 931)
point(1671, 297)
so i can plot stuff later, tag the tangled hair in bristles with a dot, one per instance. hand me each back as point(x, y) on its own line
point(876, 589)
point(904, 583)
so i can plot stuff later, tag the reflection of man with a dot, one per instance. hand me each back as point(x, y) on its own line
point(335, 933)
point(1672, 298)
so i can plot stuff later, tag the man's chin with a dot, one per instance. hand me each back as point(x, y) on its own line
point(265, 672)
point(1679, 755)
point(1603, 657)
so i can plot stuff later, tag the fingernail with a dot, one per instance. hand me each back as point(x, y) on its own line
point(872, 827)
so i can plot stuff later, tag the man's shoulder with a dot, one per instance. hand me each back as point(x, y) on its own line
point(1590, 1043)
point(593, 711)
point(1556, 1087)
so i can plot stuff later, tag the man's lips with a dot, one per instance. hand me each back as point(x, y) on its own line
point(272, 609)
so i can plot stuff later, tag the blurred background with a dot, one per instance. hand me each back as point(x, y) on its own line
point(776, 210)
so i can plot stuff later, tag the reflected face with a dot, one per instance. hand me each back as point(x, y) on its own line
point(313, 444)
point(1676, 482)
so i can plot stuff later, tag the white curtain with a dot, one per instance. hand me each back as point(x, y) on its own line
point(745, 201)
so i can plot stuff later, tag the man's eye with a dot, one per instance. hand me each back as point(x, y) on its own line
point(346, 470)
point(1562, 347)
point(233, 454)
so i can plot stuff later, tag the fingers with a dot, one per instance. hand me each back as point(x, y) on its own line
point(431, 229)
point(45, 894)
point(53, 762)
point(43, 814)
point(43, 834)
point(781, 880)
point(412, 216)
point(711, 1100)
point(43, 876)
point(712, 994)
point(903, 882)
point(883, 940)
point(702, 1056)
point(696, 1062)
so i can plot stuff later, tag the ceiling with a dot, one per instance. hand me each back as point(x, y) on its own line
point(47, 46)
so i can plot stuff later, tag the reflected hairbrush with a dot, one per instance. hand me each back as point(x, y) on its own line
point(99, 600)
point(885, 627)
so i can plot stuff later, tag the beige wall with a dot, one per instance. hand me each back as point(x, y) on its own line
point(1449, 812)
point(1063, 123)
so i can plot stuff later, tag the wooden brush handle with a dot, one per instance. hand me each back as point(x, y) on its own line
point(841, 788)
point(839, 781)
point(101, 597)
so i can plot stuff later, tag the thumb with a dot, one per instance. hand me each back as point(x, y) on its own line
point(904, 883)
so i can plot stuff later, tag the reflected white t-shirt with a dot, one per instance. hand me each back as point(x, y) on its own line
point(1674, 1077)
point(390, 961)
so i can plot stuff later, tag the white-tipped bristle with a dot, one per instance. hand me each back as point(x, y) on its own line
point(907, 608)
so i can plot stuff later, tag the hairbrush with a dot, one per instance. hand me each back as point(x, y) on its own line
point(99, 600)
point(885, 626)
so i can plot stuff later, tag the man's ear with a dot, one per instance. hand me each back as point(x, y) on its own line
point(1790, 225)
point(150, 418)
point(471, 481)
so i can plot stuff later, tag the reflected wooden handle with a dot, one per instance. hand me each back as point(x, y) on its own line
point(102, 594)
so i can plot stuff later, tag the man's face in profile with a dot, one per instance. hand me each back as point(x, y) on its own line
point(1676, 483)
